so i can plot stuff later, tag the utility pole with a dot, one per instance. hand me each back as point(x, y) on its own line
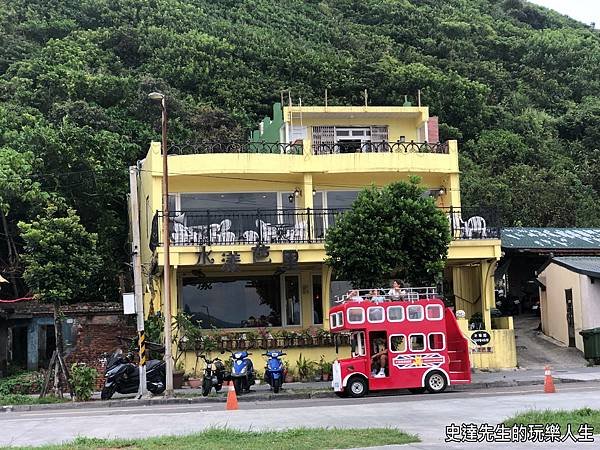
point(137, 277)
point(158, 97)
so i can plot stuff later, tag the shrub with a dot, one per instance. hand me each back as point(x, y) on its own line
point(83, 380)
point(22, 383)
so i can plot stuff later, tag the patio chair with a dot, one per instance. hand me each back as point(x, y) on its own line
point(267, 232)
point(457, 225)
point(250, 236)
point(475, 227)
point(298, 233)
point(180, 234)
point(224, 236)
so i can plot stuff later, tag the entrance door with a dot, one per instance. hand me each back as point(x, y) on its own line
point(570, 317)
point(378, 354)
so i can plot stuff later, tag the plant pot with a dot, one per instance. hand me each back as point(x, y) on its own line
point(326, 377)
point(195, 383)
point(177, 380)
point(289, 379)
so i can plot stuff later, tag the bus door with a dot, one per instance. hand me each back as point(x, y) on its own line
point(378, 354)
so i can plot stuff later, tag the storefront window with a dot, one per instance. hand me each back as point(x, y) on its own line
point(317, 295)
point(292, 300)
point(233, 302)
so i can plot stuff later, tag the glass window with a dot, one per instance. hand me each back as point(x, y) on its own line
point(414, 312)
point(340, 319)
point(292, 300)
point(333, 321)
point(417, 342)
point(233, 302)
point(227, 200)
point(375, 314)
point(436, 341)
point(356, 315)
point(358, 341)
point(337, 289)
point(317, 291)
point(397, 343)
point(434, 312)
point(340, 199)
point(395, 313)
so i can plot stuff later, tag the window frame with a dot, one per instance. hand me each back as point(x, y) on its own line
point(443, 341)
point(312, 297)
point(394, 320)
point(352, 322)
point(284, 300)
point(382, 314)
point(409, 343)
point(434, 306)
point(415, 306)
point(390, 343)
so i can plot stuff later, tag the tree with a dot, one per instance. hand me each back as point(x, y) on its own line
point(394, 231)
point(60, 256)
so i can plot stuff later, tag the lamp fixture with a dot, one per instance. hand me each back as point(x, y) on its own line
point(314, 192)
point(442, 191)
point(297, 192)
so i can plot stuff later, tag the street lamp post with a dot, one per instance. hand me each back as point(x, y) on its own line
point(160, 98)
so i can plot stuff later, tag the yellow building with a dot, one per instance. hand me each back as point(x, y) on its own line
point(248, 221)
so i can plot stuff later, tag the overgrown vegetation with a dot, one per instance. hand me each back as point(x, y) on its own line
point(23, 383)
point(517, 85)
point(83, 380)
point(19, 399)
point(225, 439)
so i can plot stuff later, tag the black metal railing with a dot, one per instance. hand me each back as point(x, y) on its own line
point(193, 148)
point(234, 227)
point(379, 147)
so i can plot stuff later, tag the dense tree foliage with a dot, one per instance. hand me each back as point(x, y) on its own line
point(516, 84)
point(390, 232)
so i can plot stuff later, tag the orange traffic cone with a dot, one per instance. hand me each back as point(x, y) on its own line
point(548, 382)
point(232, 402)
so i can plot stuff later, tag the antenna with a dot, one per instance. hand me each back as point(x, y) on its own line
point(366, 97)
point(300, 106)
point(281, 97)
point(419, 97)
point(325, 97)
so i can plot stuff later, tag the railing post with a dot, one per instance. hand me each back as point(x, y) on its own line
point(309, 220)
point(208, 226)
point(258, 225)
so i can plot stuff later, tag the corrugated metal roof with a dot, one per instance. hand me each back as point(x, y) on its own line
point(551, 238)
point(586, 265)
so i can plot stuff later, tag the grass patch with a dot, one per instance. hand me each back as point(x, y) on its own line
point(225, 439)
point(18, 399)
point(574, 417)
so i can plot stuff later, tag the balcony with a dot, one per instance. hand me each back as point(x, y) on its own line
point(275, 148)
point(292, 226)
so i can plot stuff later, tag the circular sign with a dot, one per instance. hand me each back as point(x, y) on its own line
point(481, 337)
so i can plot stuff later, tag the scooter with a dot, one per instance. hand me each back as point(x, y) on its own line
point(214, 374)
point(242, 371)
point(123, 376)
point(274, 370)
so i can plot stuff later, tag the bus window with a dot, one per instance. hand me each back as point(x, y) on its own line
point(434, 312)
point(357, 343)
point(417, 342)
point(340, 319)
point(356, 315)
point(414, 312)
point(333, 321)
point(436, 341)
point(375, 314)
point(397, 343)
point(395, 313)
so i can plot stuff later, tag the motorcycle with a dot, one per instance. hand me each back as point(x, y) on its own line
point(242, 371)
point(123, 376)
point(274, 370)
point(214, 374)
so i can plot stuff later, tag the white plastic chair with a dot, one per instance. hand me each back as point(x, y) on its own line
point(180, 234)
point(267, 231)
point(475, 227)
point(250, 236)
point(298, 233)
point(457, 225)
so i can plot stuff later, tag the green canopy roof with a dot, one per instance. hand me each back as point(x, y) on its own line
point(551, 238)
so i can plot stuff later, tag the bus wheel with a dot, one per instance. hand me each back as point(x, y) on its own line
point(435, 382)
point(417, 390)
point(357, 387)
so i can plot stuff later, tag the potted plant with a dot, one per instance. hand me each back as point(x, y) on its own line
point(326, 368)
point(289, 374)
point(305, 368)
point(186, 335)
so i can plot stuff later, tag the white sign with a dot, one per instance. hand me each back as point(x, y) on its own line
point(128, 303)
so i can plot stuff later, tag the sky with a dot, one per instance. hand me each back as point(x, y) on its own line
point(586, 11)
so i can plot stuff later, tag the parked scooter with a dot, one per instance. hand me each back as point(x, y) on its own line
point(274, 370)
point(123, 376)
point(214, 374)
point(242, 371)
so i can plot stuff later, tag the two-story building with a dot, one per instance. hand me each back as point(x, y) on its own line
point(248, 220)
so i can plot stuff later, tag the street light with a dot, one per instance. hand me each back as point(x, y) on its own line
point(160, 98)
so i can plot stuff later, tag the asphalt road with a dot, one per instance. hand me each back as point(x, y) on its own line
point(426, 415)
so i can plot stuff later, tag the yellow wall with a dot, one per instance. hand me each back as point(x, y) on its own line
point(503, 351)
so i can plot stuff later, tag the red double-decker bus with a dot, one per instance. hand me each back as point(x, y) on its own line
point(409, 343)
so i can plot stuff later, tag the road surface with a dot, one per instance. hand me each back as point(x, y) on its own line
point(425, 415)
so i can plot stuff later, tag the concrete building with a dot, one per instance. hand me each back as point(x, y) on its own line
point(570, 297)
point(248, 221)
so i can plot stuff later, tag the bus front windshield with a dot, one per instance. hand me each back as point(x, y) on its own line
point(357, 343)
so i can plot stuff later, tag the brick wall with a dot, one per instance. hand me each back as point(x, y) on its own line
point(433, 129)
point(95, 336)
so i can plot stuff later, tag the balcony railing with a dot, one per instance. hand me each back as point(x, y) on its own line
point(380, 147)
point(251, 227)
point(194, 148)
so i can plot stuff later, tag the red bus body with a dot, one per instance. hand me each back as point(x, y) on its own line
point(426, 349)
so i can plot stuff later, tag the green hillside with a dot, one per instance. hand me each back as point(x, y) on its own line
point(516, 84)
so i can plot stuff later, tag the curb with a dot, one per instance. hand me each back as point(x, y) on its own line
point(124, 403)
